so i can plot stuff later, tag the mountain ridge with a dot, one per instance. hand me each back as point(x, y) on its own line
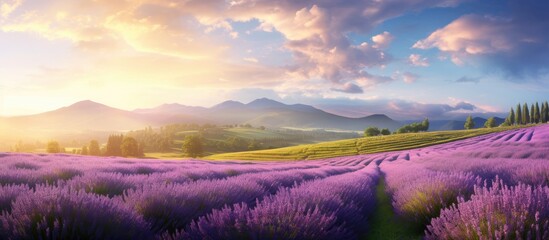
point(90, 115)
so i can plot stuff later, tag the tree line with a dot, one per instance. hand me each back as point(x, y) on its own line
point(117, 145)
point(415, 127)
point(523, 115)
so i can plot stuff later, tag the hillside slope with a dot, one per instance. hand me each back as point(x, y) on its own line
point(359, 146)
point(92, 116)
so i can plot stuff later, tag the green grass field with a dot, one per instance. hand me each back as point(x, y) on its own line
point(358, 146)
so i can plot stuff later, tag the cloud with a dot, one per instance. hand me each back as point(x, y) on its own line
point(420, 110)
point(317, 32)
point(417, 60)
point(464, 106)
point(349, 88)
point(6, 8)
point(466, 79)
point(382, 40)
point(515, 42)
point(399, 108)
point(250, 59)
point(409, 77)
point(368, 80)
point(193, 32)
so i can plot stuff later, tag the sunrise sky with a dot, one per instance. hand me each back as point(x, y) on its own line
point(407, 59)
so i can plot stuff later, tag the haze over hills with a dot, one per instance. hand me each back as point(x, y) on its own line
point(91, 116)
point(270, 113)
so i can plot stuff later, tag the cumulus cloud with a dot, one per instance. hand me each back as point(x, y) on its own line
point(349, 87)
point(417, 60)
point(401, 109)
point(316, 33)
point(419, 110)
point(382, 40)
point(409, 77)
point(516, 42)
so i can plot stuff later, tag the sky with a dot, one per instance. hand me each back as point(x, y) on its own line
point(406, 59)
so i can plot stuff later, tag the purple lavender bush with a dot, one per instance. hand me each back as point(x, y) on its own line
point(62, 213)
point(331, 208)
point(9, 193)
point(106, 184)
point(172, 207)
point(496, 212)
point(419, 194)
point(267, 221)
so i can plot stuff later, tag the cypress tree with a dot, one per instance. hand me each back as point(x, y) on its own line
point(525, 114)
point(518, 116)
point(511, 117)
point(532, 114)
point(542, 118)
point(538, 113)
point(546, 112)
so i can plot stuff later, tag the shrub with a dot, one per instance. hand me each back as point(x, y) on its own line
point(62, 213)
point(371, 131)
point(497, 212)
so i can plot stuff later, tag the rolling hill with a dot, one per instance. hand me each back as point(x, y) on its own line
point(359, 146)
point(89, 116)
point(270, 113)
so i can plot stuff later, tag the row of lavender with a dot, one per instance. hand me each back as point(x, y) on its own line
point(490, 187)
point(493, 186)
point(68, 197)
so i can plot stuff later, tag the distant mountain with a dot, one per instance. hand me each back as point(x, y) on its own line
point(93, 116)
point(271, 113)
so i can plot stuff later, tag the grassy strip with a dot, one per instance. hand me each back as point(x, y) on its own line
point(384, 224)
point(357, 146)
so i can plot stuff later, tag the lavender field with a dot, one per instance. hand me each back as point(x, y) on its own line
point(495, 186)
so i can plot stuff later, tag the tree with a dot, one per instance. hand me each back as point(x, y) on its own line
point(84, 150)
point(371, 131)
point(537, 113)
point(511, 117)
point(414, 127)
point(53, 147)
point(192, 146)
point(532, 114)
point(114, 145)
point(129, 147)
point(525, 114)
point(518, 116)
point(385, 131)
point(425, 125)
point(469, 123)
point(544, 115)
point(93, 148)
point(490, 123)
